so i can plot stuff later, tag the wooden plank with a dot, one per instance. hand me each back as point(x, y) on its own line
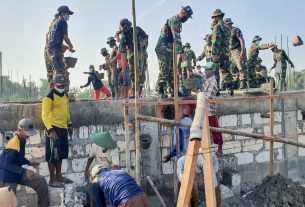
point(156, 191)
point(188, 173)
point(127, 141)
point(271, 167)
point(209, 184)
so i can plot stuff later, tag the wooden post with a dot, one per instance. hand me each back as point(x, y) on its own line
point(127, 141)
point(176, 106)
point(156, 191)
point(271, 128)
point(209, 184)
point(138, 153)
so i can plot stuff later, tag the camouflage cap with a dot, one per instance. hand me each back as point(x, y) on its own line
point(217, 13)
point(188, 10)
point(187, 45)
point(104, 50)
point(125, 24)
point(64, 9)
point(91, 66)
point(207, 37)
point(256, 38)
point(228, 21)
point(110, 39)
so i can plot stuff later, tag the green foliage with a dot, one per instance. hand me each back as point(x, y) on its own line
point(296, 80)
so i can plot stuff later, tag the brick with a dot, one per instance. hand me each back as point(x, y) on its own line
point(263, 156)
point(244, 158)
point(252, 145)
point(278, 116)
point(245, 119)
point(231, 147)
point(120, 130)
point(78, 165)
point(227, 137)
point(34, 152)
point(257, 118)
point(56, 196)
point(276, 145)
point(43, 169)
point(77, 151)
point(77, 178)
point(279, 154)
point(36, 139)
point(226, 192)
point(83, 132)
point(64, 166)
point(92, 129)
point(300, 116)
point(236, 179)
point(226, 121)
point(277, 130)
point(249, 130)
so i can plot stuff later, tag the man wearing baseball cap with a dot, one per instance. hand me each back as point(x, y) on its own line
point(12, 159)
point(56, 118)
point(116, 188)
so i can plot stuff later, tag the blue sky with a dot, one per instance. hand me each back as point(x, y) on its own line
point(25, 23)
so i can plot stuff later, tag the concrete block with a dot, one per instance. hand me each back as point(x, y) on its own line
point(301, 152)
point(83, 132)
point(77, 178)
point(248, 129)
point(87, 149)
point(56, 196)
point(30, 190)
point(133, 158)
point(120, 130)
point(121, 145)
point(227, 162)
point(226, 192)
point(252, 145)
point(244, 158)
point(92, 129)
point(227, 137)
point(257, 119)
point(227, 121)
point(300, 116)
point(276, 145)
point(64, 166)
point(263, 156)
point(277, 130)
point(279, 154)
point(78, 165)
point(245, 119)
point(43, 169)
point(75, 134)
point(36, 139)
point(231, 178)
point(77, 151)
point(232, 147)
point(278, 116)
point(132, 145)
point(122, 159)
point(34, 152)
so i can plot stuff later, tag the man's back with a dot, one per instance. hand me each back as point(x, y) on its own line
point(118, 187)
point(57, 30)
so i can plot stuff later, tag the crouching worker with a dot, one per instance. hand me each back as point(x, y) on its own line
point(97, 84)
point(12, 159)
point(200, 166)
point(116, 188)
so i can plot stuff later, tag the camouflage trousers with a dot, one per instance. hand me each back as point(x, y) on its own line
point(166, 73)
point(142, 70)
point(48, 65)
point(185, 72)
point(238, 66)
point(225, 74)
point(252, 76)
point(113, 81)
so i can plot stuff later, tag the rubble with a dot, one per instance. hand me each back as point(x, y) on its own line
point(275, 191)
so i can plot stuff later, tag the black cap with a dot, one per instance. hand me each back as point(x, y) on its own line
point(65, 9)
point(60, 79)
point(188, 10)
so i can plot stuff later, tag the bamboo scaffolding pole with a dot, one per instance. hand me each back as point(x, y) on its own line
point(271, 166)
point(156, 191)
point(176, 106)
point(127, 141)
point(135, 92)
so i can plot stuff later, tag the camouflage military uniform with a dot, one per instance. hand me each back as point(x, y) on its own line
point(143, 56)
point(185, 60)
point(164, 50)
point(114, 68)
point(207, 50)
point(281, 56)
point(252, 57)
point(261, 73)
point(108, 68)
point(220, 49)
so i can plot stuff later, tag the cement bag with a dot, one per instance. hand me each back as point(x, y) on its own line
point(7, 197)
point(297, 41)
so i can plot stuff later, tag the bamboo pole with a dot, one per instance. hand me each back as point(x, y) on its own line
point(192, 153)
point(135, 92)
point(209, 184)
point(271, 167)
point(127, 141)
point(156, 191)
point(176, 106)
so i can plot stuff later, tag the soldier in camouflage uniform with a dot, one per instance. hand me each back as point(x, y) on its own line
point(170, 33)
point(207, 49)
point(58, 32)
point(185, 61)
point(238, 56)
point(221, 51)
point(143, 56)
point(280, 57)
point(108, 68)
point(126, 48)
point(113, 69)
point(252, 57)
point(261, 73)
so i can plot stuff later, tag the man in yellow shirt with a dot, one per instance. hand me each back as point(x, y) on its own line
point(56, 118)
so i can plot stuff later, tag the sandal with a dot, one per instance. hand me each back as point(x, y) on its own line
point(56, 185)
point(66, 180)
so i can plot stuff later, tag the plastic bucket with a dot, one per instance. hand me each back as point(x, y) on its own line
point(70, 62)
point(145, 141)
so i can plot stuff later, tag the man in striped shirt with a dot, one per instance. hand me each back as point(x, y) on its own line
point(211, 90)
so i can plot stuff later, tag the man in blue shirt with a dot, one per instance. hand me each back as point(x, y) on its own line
point(12, 159)
point(58, 32)
point(184, 135)
point(116, 188)
point(97, 84)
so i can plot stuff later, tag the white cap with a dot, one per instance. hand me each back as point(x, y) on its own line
point(97, 168)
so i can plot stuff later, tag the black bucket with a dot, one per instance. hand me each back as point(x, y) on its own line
point(70, 62)
point(145, 141)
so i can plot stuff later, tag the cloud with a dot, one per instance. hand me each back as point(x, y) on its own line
point(154, 7)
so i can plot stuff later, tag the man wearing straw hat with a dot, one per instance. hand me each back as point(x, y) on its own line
point(12, 159)
point(116, 188)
